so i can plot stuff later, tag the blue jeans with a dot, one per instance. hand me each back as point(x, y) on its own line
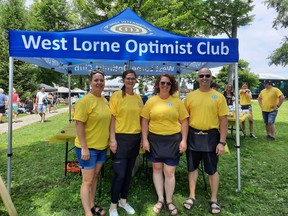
point(269, 117)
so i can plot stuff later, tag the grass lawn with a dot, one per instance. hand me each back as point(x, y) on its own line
point(39, 187)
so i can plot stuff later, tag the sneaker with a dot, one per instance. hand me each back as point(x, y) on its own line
point(128, 208)
point(270, 137)
point(113, 212)
point(253, 136)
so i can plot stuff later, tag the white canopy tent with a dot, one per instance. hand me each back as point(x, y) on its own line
point(125, 41)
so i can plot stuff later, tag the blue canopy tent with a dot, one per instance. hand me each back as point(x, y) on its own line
point(125, 41)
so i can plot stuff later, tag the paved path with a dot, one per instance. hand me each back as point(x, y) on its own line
point(29, 119)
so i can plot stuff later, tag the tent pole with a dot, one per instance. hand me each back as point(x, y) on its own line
point(69, 95)
point(9, 150)
point(237, 129)
point(179, 79)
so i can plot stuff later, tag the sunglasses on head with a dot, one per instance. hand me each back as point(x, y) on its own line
point(167, 83)
point(204, 75)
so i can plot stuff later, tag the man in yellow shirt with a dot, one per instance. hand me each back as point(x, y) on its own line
point(270, 99)
point(208, 125)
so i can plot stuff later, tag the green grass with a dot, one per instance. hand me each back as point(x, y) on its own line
point(39, 187)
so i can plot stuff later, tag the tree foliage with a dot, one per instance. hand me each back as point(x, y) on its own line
point(244, 75)
point(280, 55)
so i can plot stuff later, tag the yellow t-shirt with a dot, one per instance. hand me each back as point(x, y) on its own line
point(244, 98)
point(164, 115)
point(270, 98)
point(205, 108)
point(126, 111)
point(95, 114)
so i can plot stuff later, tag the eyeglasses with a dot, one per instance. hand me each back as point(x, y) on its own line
point(167, 83)
point(205, 75)
point(130, 79)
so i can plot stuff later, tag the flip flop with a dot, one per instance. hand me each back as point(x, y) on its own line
point(191, 204)
point(156, 209)
point(214, 206)
point(100, 211)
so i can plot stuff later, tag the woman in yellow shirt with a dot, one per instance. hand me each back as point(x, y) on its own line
point(164, 133)
point(245, 102)
point(92, 116)
point(125, 138)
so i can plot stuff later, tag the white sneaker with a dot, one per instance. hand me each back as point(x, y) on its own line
point(128, 208)
point(113, 212)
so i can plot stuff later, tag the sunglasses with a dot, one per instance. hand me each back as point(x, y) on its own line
point(167, 83)
point(205, 75)
point(130, 79)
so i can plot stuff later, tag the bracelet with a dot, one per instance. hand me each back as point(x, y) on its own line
point(223, 143)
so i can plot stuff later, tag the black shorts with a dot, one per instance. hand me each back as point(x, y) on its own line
point(2, 109)
point(210, 160)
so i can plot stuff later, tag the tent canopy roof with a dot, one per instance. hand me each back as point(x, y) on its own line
point(122, 42)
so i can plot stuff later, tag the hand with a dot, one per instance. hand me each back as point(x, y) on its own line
point(146, 145)
point(85, 154)
point(113, 146)
point(220, 149)
point(182, 146)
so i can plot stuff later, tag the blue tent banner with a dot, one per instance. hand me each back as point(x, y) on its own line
point(122, 40)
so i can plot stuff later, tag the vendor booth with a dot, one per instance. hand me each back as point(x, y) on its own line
point(123, 42)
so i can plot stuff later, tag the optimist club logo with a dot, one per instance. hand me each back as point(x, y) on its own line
point(128, 28)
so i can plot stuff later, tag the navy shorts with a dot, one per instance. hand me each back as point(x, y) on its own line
point(269, 117)
point(96, 157)
point(168, 161)
point(210, 160)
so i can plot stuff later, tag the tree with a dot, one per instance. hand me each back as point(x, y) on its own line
point(13, 16)
point(280, 55)
point(226, 16)
point(244, 75)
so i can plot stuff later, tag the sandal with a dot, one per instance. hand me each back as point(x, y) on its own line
point(173, 210)
point(215, 206)
point(156, 207)
point(188, 203)
point(98, 210)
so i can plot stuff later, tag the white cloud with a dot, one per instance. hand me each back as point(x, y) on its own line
point(258, 40)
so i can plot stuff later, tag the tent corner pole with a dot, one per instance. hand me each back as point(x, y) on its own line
point(69, 95)
point(237, 129)
point(9, 149)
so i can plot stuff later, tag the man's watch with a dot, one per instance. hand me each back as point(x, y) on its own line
point(223, 143)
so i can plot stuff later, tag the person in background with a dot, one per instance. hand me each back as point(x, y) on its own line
point(214, 86)
point(3, 104)
point(15, 104)
point(50, 104)
point(28, 105)
point(164, 136)
point(55, 102)
point(40, 97)
point(270, 99)
point(229, 95)
point(206, 137)
point(246, 106)
point(92, 117)
point(125, 138)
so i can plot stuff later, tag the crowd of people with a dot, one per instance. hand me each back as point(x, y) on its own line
point(164, 127)
point(42, 102)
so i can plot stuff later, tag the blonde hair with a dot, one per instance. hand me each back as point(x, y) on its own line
point(1, 91)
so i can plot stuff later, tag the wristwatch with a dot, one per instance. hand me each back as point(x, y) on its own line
point(223, 143)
